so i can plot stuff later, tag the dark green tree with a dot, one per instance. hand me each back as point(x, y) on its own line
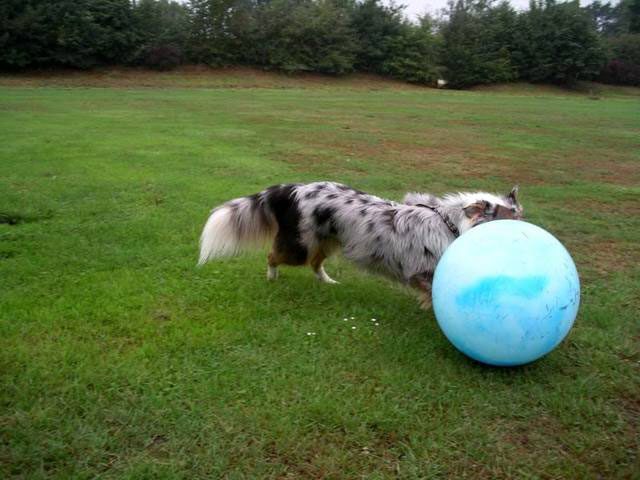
point(80, 33)
point(477, 40)
point(557, 43)
point(162, 21)
point(413, 54)
point(616, 25)
point(162, 28)
point(625, 47)
point(211, 39)
point(623, 60)
point(378, 29)
point(24, 32)
point(304, 35)
point(633, 12)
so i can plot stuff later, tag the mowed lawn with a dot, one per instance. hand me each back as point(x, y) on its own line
point(120, 359)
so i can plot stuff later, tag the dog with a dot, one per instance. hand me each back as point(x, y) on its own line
point(309, 222)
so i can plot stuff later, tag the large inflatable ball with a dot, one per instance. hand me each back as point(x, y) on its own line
point(506, 292)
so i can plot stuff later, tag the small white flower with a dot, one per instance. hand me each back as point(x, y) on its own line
point(345, 319)
point(353, 328)
point(353, 318)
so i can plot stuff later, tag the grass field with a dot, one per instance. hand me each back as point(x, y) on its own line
point(120, 359)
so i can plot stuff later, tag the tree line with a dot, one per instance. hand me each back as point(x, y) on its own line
point(471, 42)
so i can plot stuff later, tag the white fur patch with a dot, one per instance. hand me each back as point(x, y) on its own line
point(219, 238)
point(235, 227)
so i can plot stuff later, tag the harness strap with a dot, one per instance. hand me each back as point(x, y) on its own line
point(445, 218)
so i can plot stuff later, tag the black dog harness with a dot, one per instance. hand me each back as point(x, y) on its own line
point(445, 218)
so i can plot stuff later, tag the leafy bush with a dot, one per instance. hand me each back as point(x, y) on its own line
point(623, 60)
point(162, 57)
point(621, 73)
point(478, 41)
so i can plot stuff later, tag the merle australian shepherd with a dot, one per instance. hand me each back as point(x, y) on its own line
point(309, 222)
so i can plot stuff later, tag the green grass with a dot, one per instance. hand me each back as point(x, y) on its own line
point(120, 359)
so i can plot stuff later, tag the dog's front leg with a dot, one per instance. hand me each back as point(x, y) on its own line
point(422, 283)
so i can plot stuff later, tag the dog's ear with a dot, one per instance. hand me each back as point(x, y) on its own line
point(477, 209)
point(513, 195)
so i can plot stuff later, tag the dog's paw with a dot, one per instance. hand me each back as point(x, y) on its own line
point(272, 273)
point(426, 306)
point(425, 301)
point(324, 278)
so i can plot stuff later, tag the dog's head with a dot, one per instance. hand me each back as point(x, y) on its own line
point(484, 207)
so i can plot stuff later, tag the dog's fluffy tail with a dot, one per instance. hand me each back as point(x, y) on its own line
point(236, 226)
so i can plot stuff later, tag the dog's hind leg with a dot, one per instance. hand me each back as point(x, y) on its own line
point(272, 267)
point(286, 250)
point(316, 264)
point(422, 283)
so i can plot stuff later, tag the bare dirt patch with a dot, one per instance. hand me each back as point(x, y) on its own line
point(196, 76)
point(313, 163)
point(550, 169)
point(618, 171)
point(465, 157)
point(590, 89)
point(619, 174)
point(605, 206)
point(603, 256)
point(450, 159)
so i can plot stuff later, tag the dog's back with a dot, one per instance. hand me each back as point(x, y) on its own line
point(307, 223)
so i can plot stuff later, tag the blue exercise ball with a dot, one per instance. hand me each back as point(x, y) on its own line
point(506, 292)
